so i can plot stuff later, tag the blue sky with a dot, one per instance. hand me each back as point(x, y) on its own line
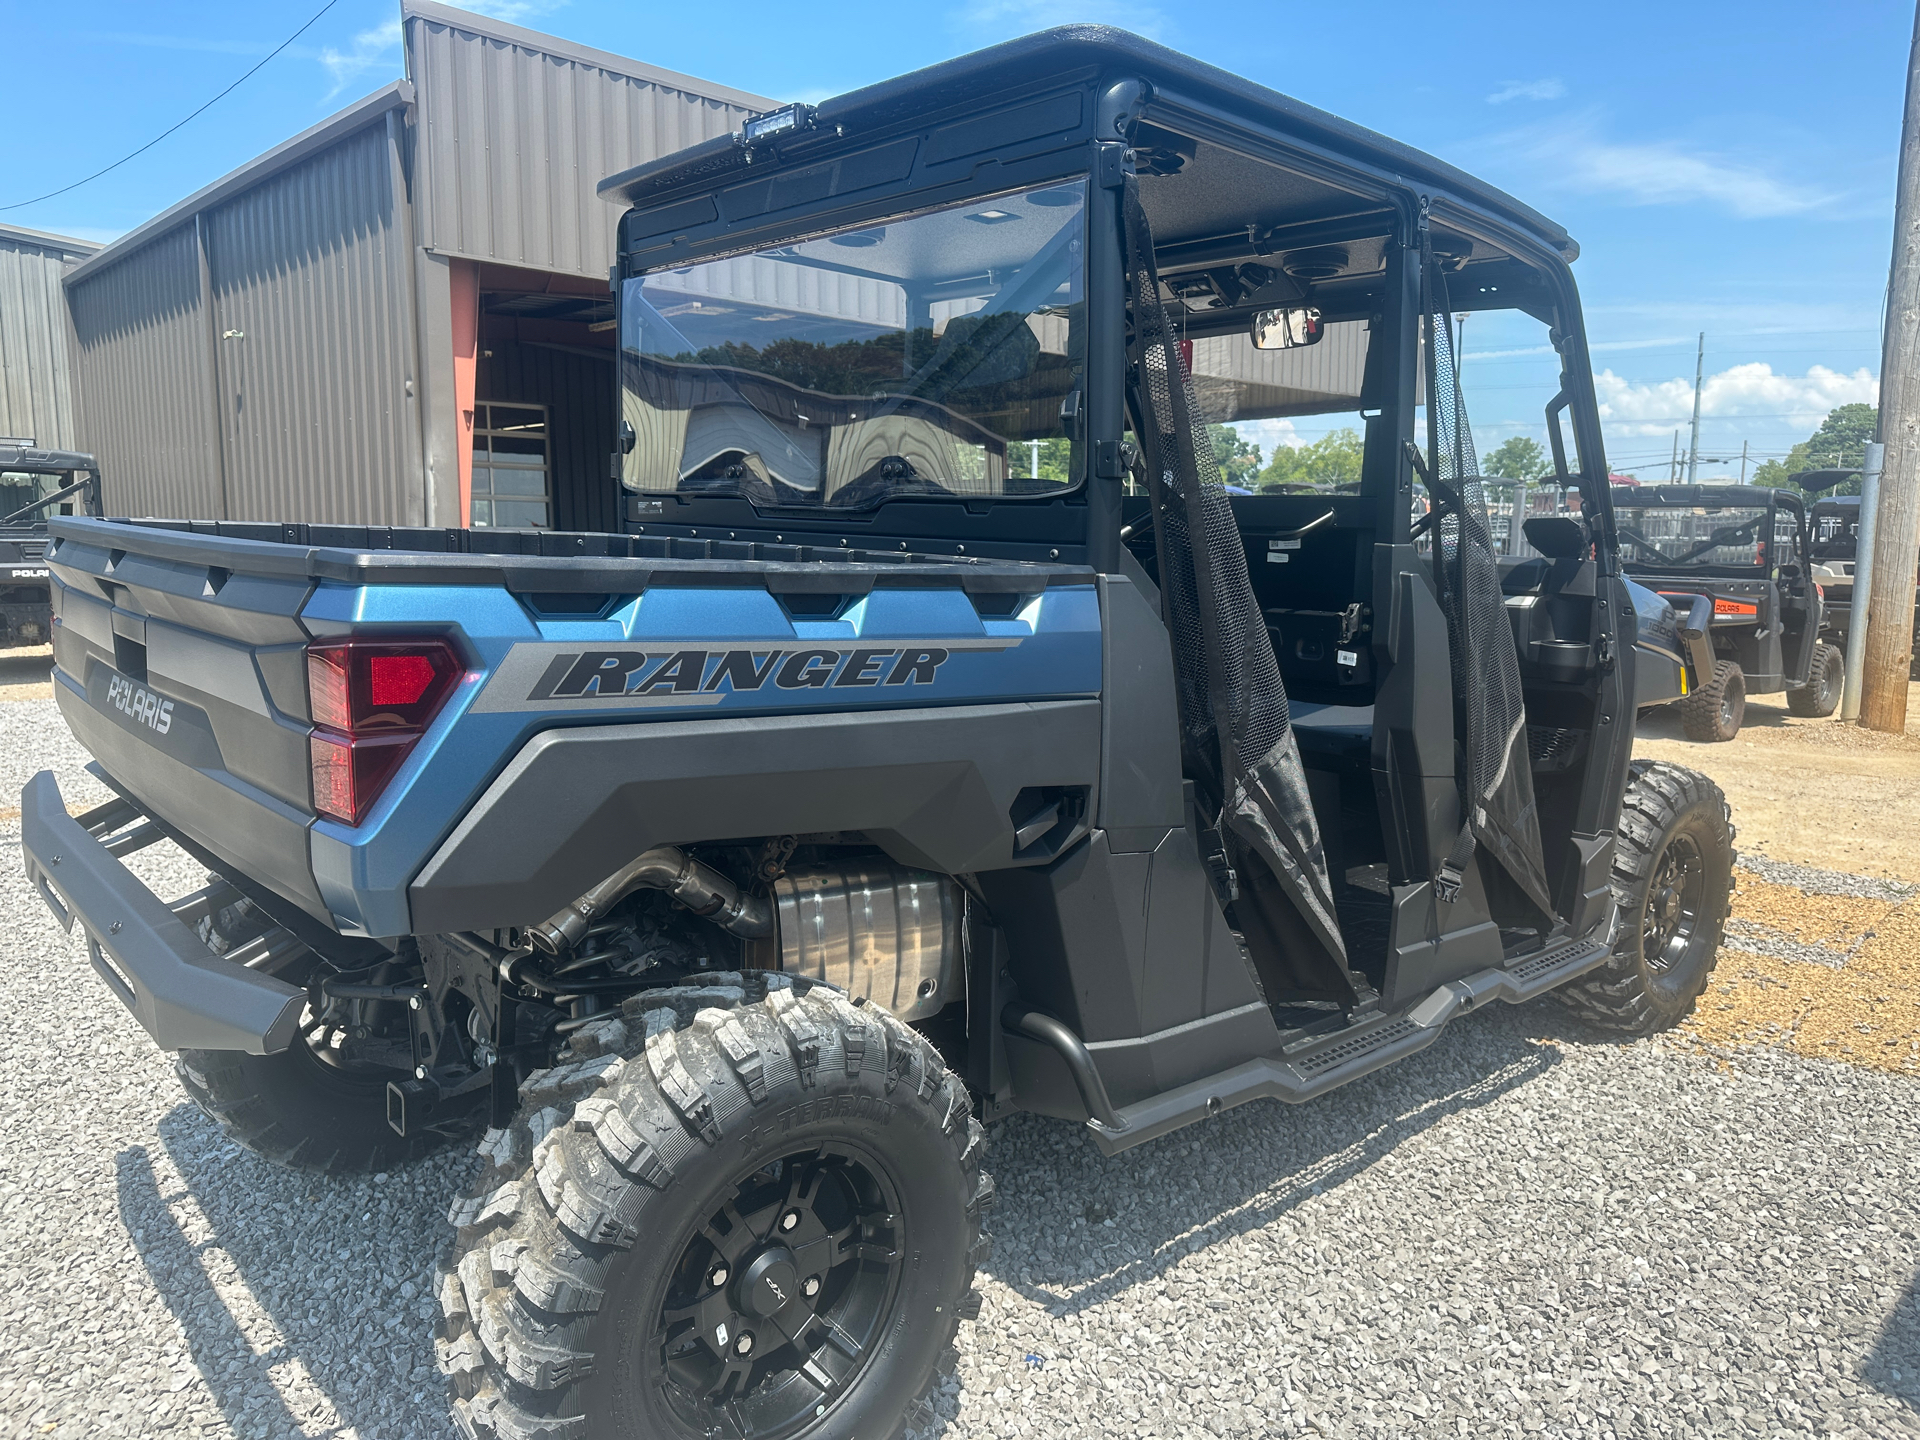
point(1725, 167)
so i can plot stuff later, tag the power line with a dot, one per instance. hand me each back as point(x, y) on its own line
point(18, 204)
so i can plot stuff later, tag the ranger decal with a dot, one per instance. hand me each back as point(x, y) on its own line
point(545, 675)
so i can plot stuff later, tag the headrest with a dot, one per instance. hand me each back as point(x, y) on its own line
point(1560, 537)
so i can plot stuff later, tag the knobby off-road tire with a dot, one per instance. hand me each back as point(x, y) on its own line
point(1673, 881)
point(301, 1112)
point(1714, 711)
point(753, 1161)
point(1826, 677)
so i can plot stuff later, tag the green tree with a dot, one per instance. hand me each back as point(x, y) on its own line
point(1838, 444)
point(1516, 458)
point(1239, 459)
point(1333, 459)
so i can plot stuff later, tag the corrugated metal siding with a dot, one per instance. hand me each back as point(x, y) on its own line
point(312, 269)
point(36, 379)
point(578, 388)
point(145, 402)
point(514, 140)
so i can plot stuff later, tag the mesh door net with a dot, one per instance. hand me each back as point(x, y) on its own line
point(1496, 781)
point(1236, 737)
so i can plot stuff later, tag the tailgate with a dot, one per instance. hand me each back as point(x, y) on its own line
point(186, 681)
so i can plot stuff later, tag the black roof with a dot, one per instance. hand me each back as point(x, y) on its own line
point(1697, 494)
point(973, 79)
point(26, 461)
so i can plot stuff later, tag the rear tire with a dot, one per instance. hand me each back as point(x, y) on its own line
point(1826, 675)
point(298, 1111)
point(701, 1220)
point(1715, 711)
point(1673, 881)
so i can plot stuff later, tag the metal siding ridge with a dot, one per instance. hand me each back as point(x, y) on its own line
point(281, 157)
point(133, 322)
point(517, 124)
point(47, 240)
point(481, 25)
point(305, 268)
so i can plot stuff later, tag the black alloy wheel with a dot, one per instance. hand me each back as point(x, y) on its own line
point(742, 1208)
point(1672, 881)
point(1671, 920)
point(781, 1298)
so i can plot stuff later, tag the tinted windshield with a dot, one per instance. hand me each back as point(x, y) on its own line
point(1662, 538)
point(927, 356)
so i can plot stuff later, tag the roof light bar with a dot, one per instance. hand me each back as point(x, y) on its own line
point(775, 123)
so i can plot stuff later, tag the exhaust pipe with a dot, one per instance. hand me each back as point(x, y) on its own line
point(701, 888)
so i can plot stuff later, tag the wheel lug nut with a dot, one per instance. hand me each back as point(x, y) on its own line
point(811, 1286)
point(789, 1220)
point(744, 1345)
point(717, 1276)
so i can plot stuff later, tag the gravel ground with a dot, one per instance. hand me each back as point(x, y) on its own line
point(1519, 1231)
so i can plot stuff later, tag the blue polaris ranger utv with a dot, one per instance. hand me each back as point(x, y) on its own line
point(938, 739)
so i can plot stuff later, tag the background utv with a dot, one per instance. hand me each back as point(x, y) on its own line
point(924, 749)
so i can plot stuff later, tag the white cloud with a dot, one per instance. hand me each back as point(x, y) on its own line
point(1269, 435)
point(1528, 90)
point(1578, 157)
point(1020, 17)
point(370, 48)
point(378, 47)
point(1743, 391)
point(184, 42)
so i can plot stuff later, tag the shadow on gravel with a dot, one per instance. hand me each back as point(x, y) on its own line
point(1893, 1365)
point(215, 1343)
point(1228, 1177)
point(328, 1281)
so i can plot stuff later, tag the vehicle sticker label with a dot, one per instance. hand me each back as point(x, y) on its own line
point(22, 573)
point(140, 703)
point(559, 675)
point(174, 727)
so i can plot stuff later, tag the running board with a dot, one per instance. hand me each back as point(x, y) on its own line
point(1311, 1068)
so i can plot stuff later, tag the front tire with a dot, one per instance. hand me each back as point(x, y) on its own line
point(1826, 676)
point(1673, 881)
point(1714, 712)
point(745, 1208)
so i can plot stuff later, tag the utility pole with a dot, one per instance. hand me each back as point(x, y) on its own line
point(1896, 540)
point(1743, 462)
point(1693, 446)
point(1862, 604)
point(1673, 465)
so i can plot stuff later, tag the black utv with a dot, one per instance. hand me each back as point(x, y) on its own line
point(937, 740)
point(34, 484)
point(1743, 550)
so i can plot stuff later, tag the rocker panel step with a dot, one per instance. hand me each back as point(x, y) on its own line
point(1314, 1067)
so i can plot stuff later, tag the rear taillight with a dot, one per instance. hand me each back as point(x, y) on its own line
point(372, 700)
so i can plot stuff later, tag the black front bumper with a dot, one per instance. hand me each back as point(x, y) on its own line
point(187, 997)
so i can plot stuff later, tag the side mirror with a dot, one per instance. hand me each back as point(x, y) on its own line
point(1287, 329)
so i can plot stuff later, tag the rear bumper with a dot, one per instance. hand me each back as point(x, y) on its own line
point(185, 996)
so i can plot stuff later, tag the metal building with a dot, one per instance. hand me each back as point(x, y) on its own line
point(400, 316)
point(36, 372)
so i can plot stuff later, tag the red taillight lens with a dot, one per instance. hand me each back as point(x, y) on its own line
point(371, 699)
point(361, 686)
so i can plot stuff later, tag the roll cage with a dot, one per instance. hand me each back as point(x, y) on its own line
point(1233, 175)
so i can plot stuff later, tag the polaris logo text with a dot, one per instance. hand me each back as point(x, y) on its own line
point(613, 674)
point(142, 704)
